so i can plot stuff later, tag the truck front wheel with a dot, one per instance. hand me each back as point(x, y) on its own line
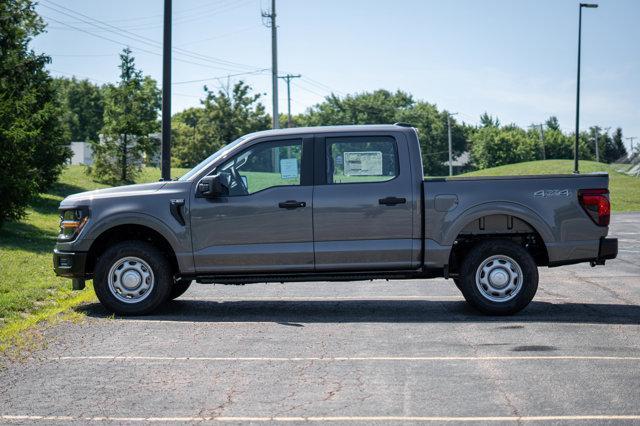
point(132, 278)
point(178, 288)
point(499, 277)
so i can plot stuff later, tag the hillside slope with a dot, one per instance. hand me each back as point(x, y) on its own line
point(625, 189)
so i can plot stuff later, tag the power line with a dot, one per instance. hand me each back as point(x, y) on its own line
point(79, 76)
point(138, 38)
point(221, 77)
point(221, 7)
point(309, 90)
point(137, 48)
point(219, 36)
point(322, 86)
point(133, 36)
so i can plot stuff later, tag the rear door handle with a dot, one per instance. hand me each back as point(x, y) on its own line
point(392, 201)
point(292, 204)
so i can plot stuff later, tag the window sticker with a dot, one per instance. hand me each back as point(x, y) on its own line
point(363, 163)
point(289, 168)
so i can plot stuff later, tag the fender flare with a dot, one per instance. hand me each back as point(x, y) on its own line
point(519, 211)
point(134, 218)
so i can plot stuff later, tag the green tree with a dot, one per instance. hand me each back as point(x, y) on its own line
point(552, 123)
point(557, 145)
point(33, 145)
point(618, 149)
point(433, 134)
point(225, 115)
point(492, 146)
point(130, 116)
point(384, 107)
point(378, 107)
point(83, 103)
point(189, 146)
point(487, 120)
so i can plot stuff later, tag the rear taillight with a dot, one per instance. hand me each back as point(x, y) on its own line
point(596, 203)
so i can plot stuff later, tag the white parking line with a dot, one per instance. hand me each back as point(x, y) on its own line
point(453, 297)
point(319, 298)
point(318, 419)
point(353, 358)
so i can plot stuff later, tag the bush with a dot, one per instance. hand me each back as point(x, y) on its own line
point(492, 146)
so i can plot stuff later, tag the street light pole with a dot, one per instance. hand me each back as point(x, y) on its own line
point(575, 148)
point(450, 148)
point(597, 129)
point(165, 162)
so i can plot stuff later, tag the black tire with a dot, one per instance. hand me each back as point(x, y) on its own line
point(526, 284)
point(178, 288)
point(158, 264)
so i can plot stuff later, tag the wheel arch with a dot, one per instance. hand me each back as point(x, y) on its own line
point(525, 214)
point(500, 224)
point(129, 232)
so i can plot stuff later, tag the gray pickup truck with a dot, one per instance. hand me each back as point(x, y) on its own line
point(330, 204)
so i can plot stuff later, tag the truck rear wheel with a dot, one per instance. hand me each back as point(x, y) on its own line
point(132, 278)
point(499, 277)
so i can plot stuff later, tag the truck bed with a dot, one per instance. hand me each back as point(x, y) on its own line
point(548, 204)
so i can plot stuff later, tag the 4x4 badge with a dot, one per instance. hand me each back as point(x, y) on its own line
point(551, 193)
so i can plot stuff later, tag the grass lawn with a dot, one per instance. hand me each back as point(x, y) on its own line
point(625, 189)
point(29, 290)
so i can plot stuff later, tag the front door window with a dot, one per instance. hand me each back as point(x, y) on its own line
point(264, 166)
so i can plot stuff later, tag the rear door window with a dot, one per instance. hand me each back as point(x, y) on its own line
point(361, 159)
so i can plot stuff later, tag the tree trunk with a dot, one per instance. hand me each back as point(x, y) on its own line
point(123, 172)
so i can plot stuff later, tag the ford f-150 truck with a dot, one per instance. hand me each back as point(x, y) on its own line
point(330, 204)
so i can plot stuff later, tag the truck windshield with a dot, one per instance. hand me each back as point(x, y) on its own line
point(219, 153)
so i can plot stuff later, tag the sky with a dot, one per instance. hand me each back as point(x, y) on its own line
point(515, 59)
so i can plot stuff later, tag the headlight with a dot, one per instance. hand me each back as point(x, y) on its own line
point(71, 222)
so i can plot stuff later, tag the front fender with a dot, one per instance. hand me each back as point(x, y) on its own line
point(133, 218)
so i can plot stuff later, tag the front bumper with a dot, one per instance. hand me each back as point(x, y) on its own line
point(69, 264)
point(608, 250)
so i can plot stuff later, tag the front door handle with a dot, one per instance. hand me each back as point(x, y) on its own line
point(392, 201)
point(292, 204)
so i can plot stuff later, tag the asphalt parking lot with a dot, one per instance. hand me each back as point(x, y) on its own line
point(365, 352)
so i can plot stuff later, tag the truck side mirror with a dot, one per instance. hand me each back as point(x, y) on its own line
point(214, 186)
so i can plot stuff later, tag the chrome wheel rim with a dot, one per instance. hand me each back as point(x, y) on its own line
point(499, 278)
point(131, 280)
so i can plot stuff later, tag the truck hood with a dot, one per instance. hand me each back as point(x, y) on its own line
point(118, 191)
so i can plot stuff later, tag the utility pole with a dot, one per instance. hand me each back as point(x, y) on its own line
point(541, 133)
point(165, 162)
point(449, 114)
point(288, 79)
point(631, 139)
point(575, 148)
point(597, 129)
point(271, 23)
